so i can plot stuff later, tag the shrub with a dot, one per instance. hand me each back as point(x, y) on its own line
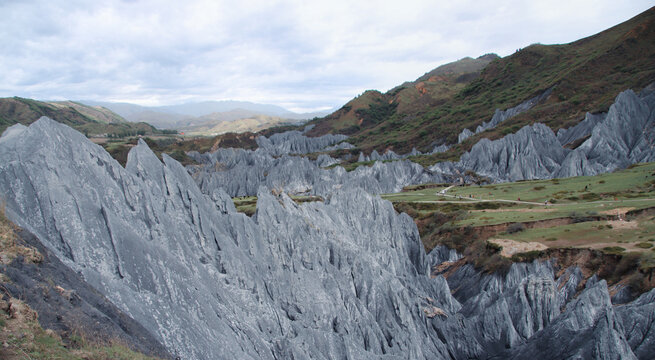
point(538, 188)
point(644, 245)
point(613, 249)
point(494, 247)
point(628, 263)
point(527, 256)
point(515, 227)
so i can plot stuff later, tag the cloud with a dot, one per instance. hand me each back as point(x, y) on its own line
point(302, 55)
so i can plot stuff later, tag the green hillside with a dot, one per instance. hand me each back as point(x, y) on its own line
point(89, 120)
point(585, 75)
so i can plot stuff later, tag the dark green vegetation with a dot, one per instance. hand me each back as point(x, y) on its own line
point(609, 216)
point(91, 121)
point(21, 335)
point(585, 75)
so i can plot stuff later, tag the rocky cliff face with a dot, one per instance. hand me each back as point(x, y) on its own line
point(294, 142)
point(344, 278)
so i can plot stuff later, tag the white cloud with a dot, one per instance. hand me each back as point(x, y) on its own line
point(302, 55)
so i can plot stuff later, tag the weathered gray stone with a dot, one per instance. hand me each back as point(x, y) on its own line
point(532, 153)
point(325, 160)
point(581, 130)
point(343, 278)
point(589, 328)
point(294, 142)
point(502, 115)
point(624, 136)
point(241, 173)
point(639, 323)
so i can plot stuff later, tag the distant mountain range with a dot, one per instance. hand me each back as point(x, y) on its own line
point(91, 120)
point(208, 117)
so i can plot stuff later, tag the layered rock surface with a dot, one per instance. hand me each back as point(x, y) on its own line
point(344, 278)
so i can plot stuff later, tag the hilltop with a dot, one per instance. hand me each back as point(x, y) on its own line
point(90, 120)
point(585, 76)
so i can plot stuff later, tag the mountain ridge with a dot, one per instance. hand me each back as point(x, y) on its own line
point(176, 116)
point(586, 75)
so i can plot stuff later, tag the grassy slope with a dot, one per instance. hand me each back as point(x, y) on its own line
point(389, 120)
point(97, 113)
point(26, 111)
point(586, 76)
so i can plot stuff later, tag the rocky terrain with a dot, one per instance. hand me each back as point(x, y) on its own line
point(624, 135)
point(603, 142)
point(343, 278)
point(241, 173)
point(502, 115)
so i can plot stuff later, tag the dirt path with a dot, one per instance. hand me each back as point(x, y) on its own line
point(511, 247)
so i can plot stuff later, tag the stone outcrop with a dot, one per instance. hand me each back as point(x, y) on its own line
point(343, 278)
point(502, 115)
point(581, 130)
point(67, 304)
point(294, 142)
point(375, 156)
point(623, 136)
point(241, 173)
point(532, 153)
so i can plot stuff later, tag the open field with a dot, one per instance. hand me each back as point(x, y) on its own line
point(608, 195)
point(613, 213)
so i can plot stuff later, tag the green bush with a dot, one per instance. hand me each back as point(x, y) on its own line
point(613, 249)
point(527, 256)
point(515, 227)
point(644, 245)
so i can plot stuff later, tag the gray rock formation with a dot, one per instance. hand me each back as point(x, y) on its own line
point(65, 303)
point(344, 278)
point(440, 148)
point(241, 173)
point(502, 115)
point(626, 136)
point(340, 146)
point(581, 130)
point(294, 142)
point(324, 280)
point(532, 153)
point(465, 134)
point(623, 136)
point(325, 160)
point(388, 155)
point(639, 324)
point(589, 328)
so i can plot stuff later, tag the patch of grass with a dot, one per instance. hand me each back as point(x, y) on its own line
point(23, 338)
point(613, 249)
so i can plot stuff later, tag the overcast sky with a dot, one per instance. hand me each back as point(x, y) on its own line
point(302, 55)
